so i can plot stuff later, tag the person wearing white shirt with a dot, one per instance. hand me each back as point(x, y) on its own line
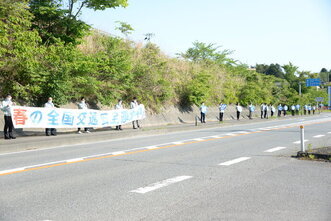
point(82, 105)
point(293, 109)
point(134, 104)
point(222, 108)
point(203, 110)
point(273, 110)
point(285, 109)
point(239, 110)
point(50, 131)
point(9, 126)
point(266, 109)
point(280, 108)
point(119, 106)
point(262, 110)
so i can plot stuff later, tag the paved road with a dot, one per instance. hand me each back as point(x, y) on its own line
point(242, 172)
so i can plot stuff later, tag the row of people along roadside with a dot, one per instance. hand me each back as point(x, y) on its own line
point(7, 104)
point(280, 110)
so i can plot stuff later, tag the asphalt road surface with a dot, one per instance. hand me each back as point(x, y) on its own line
point(242, 172)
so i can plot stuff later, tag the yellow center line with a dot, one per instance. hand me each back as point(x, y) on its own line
point(145, 150)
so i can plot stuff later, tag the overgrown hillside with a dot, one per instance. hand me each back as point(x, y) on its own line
point(104, 68)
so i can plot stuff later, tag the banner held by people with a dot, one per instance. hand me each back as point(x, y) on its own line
point(36, 117)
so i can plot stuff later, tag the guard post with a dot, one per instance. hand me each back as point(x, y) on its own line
point(302, 138)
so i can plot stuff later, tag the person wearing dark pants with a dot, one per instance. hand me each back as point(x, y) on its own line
point(265, 111)
point(280, 108)
point(203, 111)
point(222, 108)
point(50, 131)
point(82, 105)
point(262, 110)
point(9, 126)
point(285, 108)
point(293, 110)
point(239, 110)
point(134, 104)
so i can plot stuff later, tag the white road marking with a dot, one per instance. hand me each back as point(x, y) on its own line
point(12, 170)
point(230, 134)
point(151, 147)
point(240, 159)
point(329, 132)
point(215, 136)
point(74, 160)
point(178, 142)
point(198, 139)
point(298, 142)
point(160, 184)
point(274, 149)
point(318, 136)
point(117, 152)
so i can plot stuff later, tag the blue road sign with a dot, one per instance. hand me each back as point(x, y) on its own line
point(313, 82)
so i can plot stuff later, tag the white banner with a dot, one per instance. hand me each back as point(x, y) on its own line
point(37, 117)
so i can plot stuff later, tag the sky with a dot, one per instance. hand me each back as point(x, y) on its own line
point(257, 31)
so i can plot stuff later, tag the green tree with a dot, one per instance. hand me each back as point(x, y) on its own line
point(124, 28)
point(58, 19)
point(202, 52)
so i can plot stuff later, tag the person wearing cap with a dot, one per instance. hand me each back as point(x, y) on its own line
point(83, 106)
point(119, 106)
point(50, 131)
point(9, 126)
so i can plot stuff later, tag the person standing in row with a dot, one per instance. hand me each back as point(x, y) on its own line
point(265, 111)
point(251, 109)
point(313, 109)
point(119, 106)
point(239, 110)
point(297, 108)
point(285, 108)
point(134, 104)
point(262, 110)
point(309, 109)
point(50, 131)
point(280, 109)
point(82, 105)
point(9, 126)
point(222, 108)
point(273, 110)
point(203, 110)
point(305, 109)
point(293, 109)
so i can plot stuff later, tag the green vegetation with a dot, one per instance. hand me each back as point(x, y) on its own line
point(45, 50)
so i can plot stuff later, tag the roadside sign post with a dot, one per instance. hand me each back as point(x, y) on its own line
point(313, 82)
point(302, 138)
